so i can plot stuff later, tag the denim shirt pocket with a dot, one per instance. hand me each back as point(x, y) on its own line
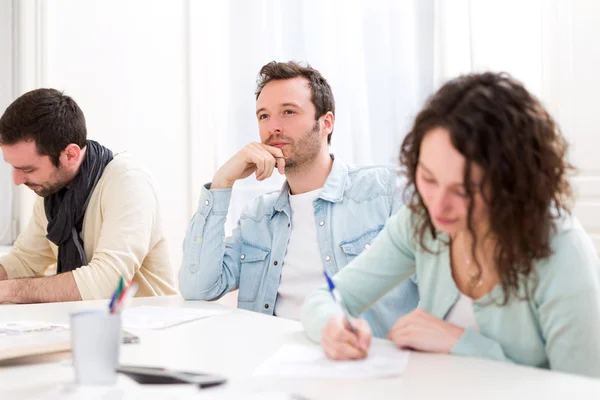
point(357, 244)
point(253, 260)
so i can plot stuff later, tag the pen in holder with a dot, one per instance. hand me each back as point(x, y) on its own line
point(95, 341)
point(122, 296)
point(96, 337)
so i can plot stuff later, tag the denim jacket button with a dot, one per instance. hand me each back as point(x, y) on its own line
point(266, 306)
point(367, 246)
point(327, 258)
point(242, 256)
point(321, 223)
point(206, 202)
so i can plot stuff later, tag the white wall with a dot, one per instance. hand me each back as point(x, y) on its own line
point(129, 76)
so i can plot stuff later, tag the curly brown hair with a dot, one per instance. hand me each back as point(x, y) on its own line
point(496, 123)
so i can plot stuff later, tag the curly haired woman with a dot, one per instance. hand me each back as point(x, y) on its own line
point(504, 270)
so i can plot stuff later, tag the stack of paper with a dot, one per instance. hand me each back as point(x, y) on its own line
point(14, 328)
point(24, 338)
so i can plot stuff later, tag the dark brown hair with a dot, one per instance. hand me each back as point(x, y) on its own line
point(495, 122)
point(321, 94)
point(46, 116)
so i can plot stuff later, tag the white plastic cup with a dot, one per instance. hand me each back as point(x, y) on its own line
point(95, 341)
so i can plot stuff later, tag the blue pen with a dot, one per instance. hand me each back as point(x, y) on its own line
point(337, 297)
point(116, 295)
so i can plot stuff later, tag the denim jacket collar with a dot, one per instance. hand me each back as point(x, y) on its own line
point(333, 189)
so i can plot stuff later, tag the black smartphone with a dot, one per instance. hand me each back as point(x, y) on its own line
point(158, 376)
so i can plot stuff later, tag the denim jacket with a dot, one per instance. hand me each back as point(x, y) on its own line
point(350, 211)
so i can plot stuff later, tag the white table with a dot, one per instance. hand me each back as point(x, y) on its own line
point(234, 344)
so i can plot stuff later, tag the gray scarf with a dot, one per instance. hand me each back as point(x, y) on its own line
point(65, 209)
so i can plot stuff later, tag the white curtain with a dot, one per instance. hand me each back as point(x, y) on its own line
point(530, 39)
point(377, 56)
point(546, 45)
point(6, 203)
point(6, 96)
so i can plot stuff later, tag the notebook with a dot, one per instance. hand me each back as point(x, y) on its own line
point(28, 339)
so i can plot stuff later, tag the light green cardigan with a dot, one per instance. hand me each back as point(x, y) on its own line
point(557, 328)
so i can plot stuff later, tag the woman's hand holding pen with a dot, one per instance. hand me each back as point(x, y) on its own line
point(422, 331)
point(256, 158)
point(339, 343)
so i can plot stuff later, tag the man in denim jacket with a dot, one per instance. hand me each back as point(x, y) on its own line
point(324, 216)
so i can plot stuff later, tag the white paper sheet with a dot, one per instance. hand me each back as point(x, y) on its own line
point(148, 317)
point(309, 361)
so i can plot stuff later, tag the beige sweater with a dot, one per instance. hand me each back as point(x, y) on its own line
point(122, 236)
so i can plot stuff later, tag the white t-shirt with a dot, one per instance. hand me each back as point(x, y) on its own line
point(462, 314)
point(302, 269)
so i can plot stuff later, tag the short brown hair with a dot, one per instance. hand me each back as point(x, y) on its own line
point(495, 122)
point(48, 117)
point(321, 94)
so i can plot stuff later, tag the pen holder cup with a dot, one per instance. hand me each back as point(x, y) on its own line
point(95, 341)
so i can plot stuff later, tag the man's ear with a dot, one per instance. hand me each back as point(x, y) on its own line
point(71, 155)
point(328, 121)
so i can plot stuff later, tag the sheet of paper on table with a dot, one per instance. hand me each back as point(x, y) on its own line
point(309, 361)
